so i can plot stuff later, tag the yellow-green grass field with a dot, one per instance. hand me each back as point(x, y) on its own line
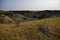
point(32, 30)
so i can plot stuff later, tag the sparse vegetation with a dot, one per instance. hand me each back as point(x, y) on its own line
point(29, 28)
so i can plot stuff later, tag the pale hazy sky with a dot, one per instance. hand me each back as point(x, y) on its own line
point(30, 4)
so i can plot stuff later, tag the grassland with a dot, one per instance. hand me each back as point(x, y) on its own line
point(45, 29)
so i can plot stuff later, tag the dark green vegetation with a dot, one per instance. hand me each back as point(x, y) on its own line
point(21, 16)
point(33, 25)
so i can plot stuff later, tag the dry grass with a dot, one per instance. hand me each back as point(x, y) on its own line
point(30, 30)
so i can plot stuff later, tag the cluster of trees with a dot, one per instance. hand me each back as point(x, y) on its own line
point(29, 15)
point(38, 14)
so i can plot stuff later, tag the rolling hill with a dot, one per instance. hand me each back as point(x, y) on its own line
point(22, 16)
point(44, 29)
point(9, 17)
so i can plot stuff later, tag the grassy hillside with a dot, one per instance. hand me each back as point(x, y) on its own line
point(45, 29)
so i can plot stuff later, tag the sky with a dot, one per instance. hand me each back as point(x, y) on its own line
point(30, 4)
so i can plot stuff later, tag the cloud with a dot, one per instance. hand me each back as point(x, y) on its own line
point(31, 5)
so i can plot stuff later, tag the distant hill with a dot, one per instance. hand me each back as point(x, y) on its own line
point(9, 17)
point(22, 16)
point(37, 13)
point(6, 19)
